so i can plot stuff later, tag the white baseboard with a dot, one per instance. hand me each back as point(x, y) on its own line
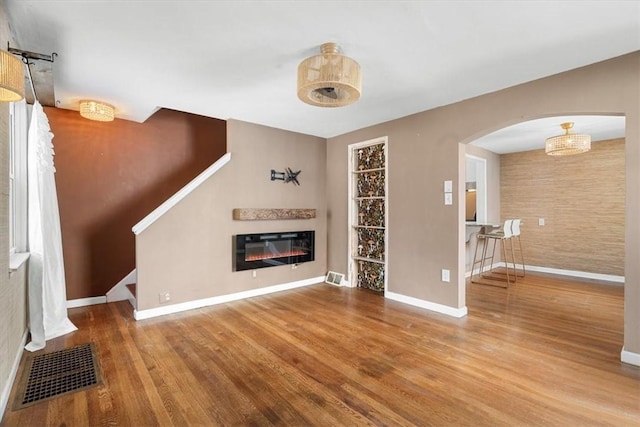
point(560, 272)
point(630, 358)
point(574, 273)
point(432, 306)
point(120, 292)
point(477, 270)
point(6, 390)
point(83, 302)
point(176, 308)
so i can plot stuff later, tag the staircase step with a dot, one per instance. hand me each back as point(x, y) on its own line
point(132, 288)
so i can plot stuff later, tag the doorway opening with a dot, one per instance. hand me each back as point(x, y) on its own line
point(476, 189)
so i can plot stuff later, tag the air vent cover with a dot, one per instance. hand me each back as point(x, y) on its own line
point(334, 278)
point(53, 374)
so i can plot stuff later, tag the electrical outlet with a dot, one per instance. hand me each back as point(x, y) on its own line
point(253, 274)
point(445, 275)
point(164, 297)
point(541, 222)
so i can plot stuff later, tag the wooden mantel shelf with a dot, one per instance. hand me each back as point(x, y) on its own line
point(251, 214)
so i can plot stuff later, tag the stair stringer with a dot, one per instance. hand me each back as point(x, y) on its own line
point(120, 292)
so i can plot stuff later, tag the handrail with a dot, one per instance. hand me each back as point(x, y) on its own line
point(181, 194)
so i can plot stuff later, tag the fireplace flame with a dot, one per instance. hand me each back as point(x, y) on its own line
point(259, 257)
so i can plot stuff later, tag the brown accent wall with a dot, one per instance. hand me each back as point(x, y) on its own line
point(581, 199)
point(424, 234)
point(111, 175)
point(188, 251)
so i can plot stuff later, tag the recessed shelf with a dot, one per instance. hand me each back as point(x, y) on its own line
point(377, 261)
point(369, 170)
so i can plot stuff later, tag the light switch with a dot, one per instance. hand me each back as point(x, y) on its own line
point(540, 222)
point(448, 186)
point(448, 198)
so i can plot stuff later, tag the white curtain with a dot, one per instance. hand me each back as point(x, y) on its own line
point(47, 289)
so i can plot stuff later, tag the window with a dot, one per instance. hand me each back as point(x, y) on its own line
point(17, 177)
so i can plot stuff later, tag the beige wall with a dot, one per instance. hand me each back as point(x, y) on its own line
point(581, 199)
point(188, 252)
point(424, 234)
point(12, 287)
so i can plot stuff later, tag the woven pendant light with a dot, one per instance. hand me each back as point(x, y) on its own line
point(329, 79)
point(11, 78)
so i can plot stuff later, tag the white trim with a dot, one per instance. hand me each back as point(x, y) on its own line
point(629, 357)
point(83, 302)
point(190, 305)
point(16, 260)
point(560, 272)
point(575, 273)
point(181, 194)
point(120, 292)
point(8, 385)
point(431, 306)
point(19, 129)
point(350, 214)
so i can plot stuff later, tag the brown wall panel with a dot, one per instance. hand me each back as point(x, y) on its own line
point(111, 175)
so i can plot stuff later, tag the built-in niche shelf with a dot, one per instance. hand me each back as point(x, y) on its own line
point(249, 214)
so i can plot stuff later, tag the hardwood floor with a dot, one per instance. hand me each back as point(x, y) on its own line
point(543, 352)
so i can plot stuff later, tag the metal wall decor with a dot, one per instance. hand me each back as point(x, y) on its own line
point(287, 176)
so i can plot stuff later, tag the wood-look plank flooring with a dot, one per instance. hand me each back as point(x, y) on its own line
point(543, 352)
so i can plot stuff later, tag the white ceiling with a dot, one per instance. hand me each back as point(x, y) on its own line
point(238, 59)
point(531, 135)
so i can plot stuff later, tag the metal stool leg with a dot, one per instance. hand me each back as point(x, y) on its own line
point(521, 256)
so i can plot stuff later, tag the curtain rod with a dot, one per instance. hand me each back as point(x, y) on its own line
point(26, 56)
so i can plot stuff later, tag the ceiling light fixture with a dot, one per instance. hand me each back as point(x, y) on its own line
point(329, 79)
point(11, 78)
point(567, 144)
point(96, 110)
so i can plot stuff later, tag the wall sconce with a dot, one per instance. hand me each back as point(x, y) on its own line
point(11, 78)
point(96, 110)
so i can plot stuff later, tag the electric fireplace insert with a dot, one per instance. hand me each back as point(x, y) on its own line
point(253, 251)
